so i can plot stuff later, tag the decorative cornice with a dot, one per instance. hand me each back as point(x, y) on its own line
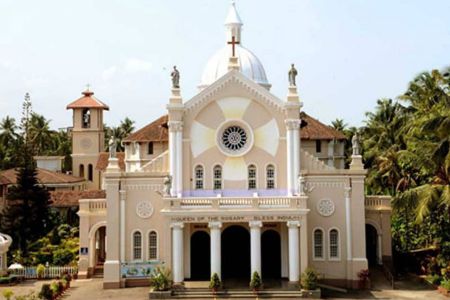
point(256, 91)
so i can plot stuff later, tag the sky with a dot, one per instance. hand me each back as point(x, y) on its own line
point(349, 53)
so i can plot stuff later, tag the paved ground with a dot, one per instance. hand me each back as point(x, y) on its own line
point(91, 289)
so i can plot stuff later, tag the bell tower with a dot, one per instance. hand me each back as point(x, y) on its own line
point(87, 137)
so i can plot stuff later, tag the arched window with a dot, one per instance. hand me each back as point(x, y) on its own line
point(199, 174)
point(90, 172)
point(152, 245)
point(86, 118)
point(137, 245)
point(251, 177)
point(81, 173)
point(334, 244)
point(318, 244)
point(217, 177)
point(270, 177)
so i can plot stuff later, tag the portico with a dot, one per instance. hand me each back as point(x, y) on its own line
point(250, 218)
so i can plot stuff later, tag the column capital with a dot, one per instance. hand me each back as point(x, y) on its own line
point(347, 191)
point(292, 124)
point(254, 224)
point(175, 126)
point(177, 225)
point(215, 225)
point(293, 224)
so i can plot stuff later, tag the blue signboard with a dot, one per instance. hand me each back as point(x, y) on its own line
point(136, 270)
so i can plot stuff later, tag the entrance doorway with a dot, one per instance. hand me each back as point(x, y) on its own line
point(100, 246)
point(271, 254)
point(200, 256)
point(371, 244)
point(236, 253)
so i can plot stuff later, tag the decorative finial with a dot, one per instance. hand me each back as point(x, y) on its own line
point(88, 87)
point(88, 91)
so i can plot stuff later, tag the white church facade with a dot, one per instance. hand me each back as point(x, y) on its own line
point(233, 181)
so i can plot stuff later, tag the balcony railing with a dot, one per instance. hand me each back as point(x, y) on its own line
point(93, 206)
point(274, 202)
point(378, 202)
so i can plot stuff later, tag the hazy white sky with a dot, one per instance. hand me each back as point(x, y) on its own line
point(349, 53)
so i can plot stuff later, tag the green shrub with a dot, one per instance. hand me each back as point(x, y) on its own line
point(7, 293)
point(6, 280)
point(446, 284)
point(255, 282)
point(160, 279)
point(215, 282)
point(46, 292)
point(54, 287)
point(308, 279)
point(62, 257)
point(433, 279)
point(64, 230)
point(40, 270)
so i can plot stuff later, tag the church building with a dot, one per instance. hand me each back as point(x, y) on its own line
point(233, 181)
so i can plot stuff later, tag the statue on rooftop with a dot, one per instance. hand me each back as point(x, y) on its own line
point(292, 74)
point(112, 144)
point(175, 78)
point(167, 185)
point(356, 147)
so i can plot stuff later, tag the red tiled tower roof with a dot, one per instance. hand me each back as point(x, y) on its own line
point(87, 101)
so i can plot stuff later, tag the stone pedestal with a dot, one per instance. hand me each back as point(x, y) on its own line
point(357, 163)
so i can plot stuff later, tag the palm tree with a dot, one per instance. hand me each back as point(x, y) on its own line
point(339, 125)
point(127, 126)
point(41, 136)
point(8, 131)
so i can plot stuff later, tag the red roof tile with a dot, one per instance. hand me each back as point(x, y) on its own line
point(316, 130)
point(43, 176)
point(71, 198)
point(102, 161)
point(87, 101)
point(154, 132)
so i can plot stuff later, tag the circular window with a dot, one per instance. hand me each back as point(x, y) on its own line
point(234, 138)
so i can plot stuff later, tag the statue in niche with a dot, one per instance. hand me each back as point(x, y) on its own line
point(112, 144)
point(292, 75)
point(167, 185)
point(356, 147)
point(175, 78)
point(86, 118)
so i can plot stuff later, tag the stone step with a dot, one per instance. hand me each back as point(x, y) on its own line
point(203, 294)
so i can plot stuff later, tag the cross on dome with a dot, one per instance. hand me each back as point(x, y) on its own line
point(233, 44)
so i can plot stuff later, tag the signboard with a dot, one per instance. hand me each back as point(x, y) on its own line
point(203, 219)
point(84, 250)
point(136, 270)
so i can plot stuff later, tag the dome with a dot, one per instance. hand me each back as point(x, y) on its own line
point(249, 65)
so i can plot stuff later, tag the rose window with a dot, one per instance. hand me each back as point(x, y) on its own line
point(234, 138)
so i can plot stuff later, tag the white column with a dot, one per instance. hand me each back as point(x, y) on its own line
point(293, 154)
point(296, 156)
point(348, 223)
point(216, 256)
point(294, 265)
point(177, 251)
point(255, 246)
point(303, 245)
point(179, 163)
point(172, 158)
point(122, 196)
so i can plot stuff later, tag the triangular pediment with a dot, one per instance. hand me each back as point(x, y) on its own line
point(234, 82)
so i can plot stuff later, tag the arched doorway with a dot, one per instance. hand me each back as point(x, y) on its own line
point(271, 254)
point(371, 244)
point(200, 256)
point(235, 252)
point(100, 246)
